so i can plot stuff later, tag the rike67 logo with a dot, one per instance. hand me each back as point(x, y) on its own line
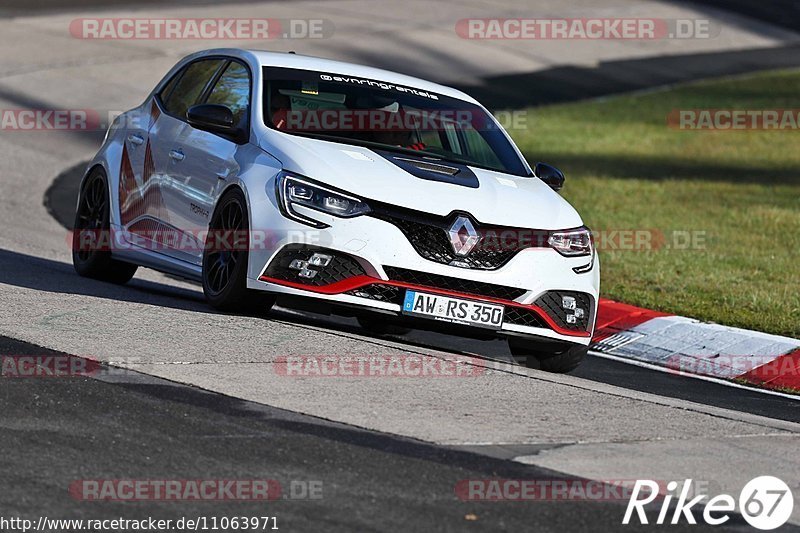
point(765, 502)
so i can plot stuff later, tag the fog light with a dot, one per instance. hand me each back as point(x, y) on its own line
point(307, 273)
point(568, 302)
point(298, 264)
point(571, 319)
point(579, 312)
point(320, 260)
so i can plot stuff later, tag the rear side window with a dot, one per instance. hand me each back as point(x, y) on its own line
point(187, 90)
point(233, 90)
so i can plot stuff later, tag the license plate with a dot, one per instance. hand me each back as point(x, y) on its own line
point(453, 310)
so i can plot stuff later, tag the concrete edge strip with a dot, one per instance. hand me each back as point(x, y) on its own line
point(690, 347)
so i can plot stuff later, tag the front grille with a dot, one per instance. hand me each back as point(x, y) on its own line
point(524, 317)
point(437, 281)
point(429, 236)
point(380, 293)
point(341, 267)
point(551, 303)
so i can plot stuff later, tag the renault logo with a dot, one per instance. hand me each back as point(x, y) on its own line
point(463, 236)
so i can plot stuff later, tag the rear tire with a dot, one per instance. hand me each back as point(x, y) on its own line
point(559, 359)
point(374, 324)
point(91, 236)
point(225, 268)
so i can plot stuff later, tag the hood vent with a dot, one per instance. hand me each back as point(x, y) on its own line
point(430, 167)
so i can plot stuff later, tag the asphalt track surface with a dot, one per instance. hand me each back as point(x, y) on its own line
point(200, 397)
point(121, 423)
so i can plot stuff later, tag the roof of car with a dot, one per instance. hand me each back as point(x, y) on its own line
point(299, 61)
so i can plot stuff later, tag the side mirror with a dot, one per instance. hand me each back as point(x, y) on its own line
point(214, 118)
point(550, 175)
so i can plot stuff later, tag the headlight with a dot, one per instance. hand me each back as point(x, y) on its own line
point(296, 191)
point(572, 243)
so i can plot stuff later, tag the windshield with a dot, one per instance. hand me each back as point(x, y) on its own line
point(386, 116)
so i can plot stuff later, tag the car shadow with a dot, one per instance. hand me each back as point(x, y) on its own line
point(30, 272)
point(61, 196)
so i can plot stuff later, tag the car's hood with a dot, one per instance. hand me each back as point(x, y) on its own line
point(500, 199)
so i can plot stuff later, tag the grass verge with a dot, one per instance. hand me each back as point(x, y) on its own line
point(736, 193)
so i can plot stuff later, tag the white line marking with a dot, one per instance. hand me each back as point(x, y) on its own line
point(719, 381)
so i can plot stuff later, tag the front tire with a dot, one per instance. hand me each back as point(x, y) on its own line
point(91, 236)
point(225, 261)
point(560, 359)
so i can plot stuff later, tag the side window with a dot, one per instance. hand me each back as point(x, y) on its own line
point(233, 90)
point(167, 90)
point(190, 86)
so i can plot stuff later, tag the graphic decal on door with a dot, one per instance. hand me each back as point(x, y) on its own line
point(140, 200)
point(141, 205)
point(155, 112)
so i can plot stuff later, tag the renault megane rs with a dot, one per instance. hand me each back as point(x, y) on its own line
point(336, 186)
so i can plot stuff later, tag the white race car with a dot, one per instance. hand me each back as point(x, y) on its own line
point(344, 188)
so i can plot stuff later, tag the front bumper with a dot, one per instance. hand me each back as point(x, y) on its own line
point(375, 263)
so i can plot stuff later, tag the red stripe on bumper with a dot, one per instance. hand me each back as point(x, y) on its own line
point(358, 282)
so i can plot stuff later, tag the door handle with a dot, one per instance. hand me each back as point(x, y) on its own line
point(135, 139)
point(177, 155)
